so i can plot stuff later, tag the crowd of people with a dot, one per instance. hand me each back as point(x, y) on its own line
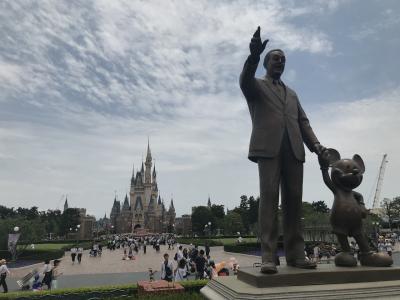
point(192, 262)
point(317, 252)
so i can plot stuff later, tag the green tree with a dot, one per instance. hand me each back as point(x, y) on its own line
point(6, 212)
point(218, 212)
point(201, 215)
point(320, 206)
point(70, 218)
point(233, 223)
point(30, 231)
point(252, 215)
point(391, 210)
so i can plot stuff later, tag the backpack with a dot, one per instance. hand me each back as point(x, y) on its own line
point(168, 271)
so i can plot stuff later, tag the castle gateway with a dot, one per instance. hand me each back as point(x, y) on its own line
point(144, 210)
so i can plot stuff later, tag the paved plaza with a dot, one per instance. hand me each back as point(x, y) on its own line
point(110, 269)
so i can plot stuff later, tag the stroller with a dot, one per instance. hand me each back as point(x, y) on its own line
point(25, 282)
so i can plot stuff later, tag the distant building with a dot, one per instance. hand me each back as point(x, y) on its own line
point(143, 210)
point(183, 225)
point(87, 225)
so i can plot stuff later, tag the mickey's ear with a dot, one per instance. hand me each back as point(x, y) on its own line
point(357, 158)
point(333, 156)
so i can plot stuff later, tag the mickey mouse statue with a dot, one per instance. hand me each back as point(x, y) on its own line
point(348, 208)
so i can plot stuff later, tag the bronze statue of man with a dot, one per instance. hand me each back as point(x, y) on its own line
point(280, 127)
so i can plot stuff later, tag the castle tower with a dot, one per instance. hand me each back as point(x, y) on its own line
point(124, 221)
point(133, 177)
point(170, 216)
point(209, 202)
point(115, 212)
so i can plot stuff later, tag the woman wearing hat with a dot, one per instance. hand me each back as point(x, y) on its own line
point(3, 274)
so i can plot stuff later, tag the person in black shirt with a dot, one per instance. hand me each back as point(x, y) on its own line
point(207, 247)
point(200, 263)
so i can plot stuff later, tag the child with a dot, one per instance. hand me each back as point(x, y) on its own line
point(36, 285)
point(180, 273)
point(151, 274)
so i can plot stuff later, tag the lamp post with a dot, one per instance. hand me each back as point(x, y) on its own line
point(205, 229)
point(77, 229)
point(376, 230)
point(209, 228)
point(12, 243)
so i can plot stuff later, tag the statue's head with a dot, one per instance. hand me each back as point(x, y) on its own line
point(346, 173)
point(274, 62)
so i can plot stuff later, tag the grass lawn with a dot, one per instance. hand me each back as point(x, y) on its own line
point(48, 246)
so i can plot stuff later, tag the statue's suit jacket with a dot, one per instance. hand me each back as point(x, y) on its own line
point(271, 114)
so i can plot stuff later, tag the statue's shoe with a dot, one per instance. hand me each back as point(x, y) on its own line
point(345, 259)
point(302, 264)
point(372, 259)
point(268, 268)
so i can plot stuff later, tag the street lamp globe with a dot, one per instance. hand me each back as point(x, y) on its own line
point(209, 223)
point(78, 226)
point(16, 228)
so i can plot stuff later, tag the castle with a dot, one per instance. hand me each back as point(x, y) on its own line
point(143, 211)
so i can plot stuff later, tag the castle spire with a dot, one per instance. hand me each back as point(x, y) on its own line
point(171, 206)
point(159, 199)
point(66, 203)
point(209, 202)
point(148, 156)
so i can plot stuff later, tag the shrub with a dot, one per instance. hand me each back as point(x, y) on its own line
point(199, 241)
point(242, 247)
point(192, 289)
point(31, 254)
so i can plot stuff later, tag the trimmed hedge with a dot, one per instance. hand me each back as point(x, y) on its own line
point(106, 292)
point(31, 254)
point(199, 242)
point(242, 247)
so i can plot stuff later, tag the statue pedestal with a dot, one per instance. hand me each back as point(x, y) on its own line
point(326, 282)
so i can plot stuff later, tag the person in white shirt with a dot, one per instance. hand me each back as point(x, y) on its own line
point(3, 274)
point(389, 248)
point(167, 268)
point(180, 273)
point(179, 254)
point(316, 253)
point(73, 254)
point(80, 252)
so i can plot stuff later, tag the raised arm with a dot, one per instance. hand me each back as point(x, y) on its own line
point(247, 79)
point(323, 160)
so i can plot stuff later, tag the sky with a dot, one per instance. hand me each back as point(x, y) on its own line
point(84, 84)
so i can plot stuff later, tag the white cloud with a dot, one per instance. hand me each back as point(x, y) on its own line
point(85, 83)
